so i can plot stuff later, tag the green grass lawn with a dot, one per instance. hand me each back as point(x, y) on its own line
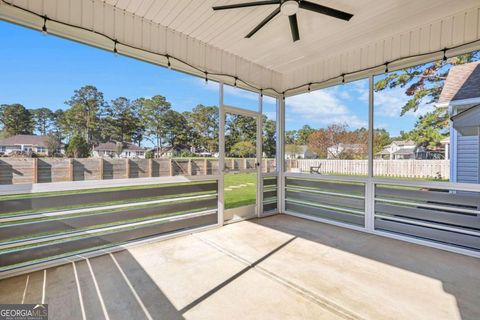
point(245, 195)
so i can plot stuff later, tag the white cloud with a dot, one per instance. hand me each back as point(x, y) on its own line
point(271, 115)
point(321, 108)
point(361, 88)
point(389, 103)
point(345, 95)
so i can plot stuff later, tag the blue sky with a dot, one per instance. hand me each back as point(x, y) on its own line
point(348, 104)
point(43, 71)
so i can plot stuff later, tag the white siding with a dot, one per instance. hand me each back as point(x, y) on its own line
point(468, 159)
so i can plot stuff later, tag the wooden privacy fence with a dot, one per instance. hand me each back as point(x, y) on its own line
point(387, 168)
point(41, 170)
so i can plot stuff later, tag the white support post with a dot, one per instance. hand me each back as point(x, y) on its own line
point(259, 157)
point(280, 154)
point(221, 157)
point(369, 185)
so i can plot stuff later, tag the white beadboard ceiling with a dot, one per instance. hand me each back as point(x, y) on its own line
point(380, 31)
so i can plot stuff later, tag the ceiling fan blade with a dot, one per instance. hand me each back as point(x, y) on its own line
point(246, 4)
point(294, 27)
point(264, 22)
point(325, 10)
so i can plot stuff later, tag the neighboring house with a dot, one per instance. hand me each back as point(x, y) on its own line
point(446, 147)
point(167, 151)
point(162, 152)
point(298, 152)
point(461, 95)
point(398, 150)
point(335, 151)
point(111, 149)
point(440, 152)
point(25, 143)
point(201, 152)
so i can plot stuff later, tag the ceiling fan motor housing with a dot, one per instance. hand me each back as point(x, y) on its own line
point(289, 7)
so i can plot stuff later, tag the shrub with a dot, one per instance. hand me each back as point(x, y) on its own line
point(78, 147)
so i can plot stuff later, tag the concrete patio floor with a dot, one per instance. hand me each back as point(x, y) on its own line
point(279, 267)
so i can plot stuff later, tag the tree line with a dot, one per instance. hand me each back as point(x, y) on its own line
point(423, 85)
point(89, 120)
point(325, 142)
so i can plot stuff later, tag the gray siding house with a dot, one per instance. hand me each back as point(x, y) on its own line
point(461, 95)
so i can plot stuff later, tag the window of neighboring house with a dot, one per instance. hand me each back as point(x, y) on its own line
point(326, 130)
point(414, 138)
point(3, 149)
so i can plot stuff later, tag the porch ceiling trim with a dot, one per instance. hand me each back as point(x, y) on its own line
point(416, 45)
point(136, 32)
point(460, 31)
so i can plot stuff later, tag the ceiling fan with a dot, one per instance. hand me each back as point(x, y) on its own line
point(288, 8)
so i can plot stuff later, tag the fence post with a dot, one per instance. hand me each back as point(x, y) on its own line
point(71, 169)
point(205, 166)
point(100, 168)
point(189, 167)
point(150, 168)
point(127, 168)
point(35, 170)
point(171, 167)
point(245, 163)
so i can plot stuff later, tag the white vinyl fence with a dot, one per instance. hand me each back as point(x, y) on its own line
point(439, 169)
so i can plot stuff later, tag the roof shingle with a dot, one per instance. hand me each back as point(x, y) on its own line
point(25, 139)
point(463, 82)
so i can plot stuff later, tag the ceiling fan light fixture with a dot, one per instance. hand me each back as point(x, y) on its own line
point(289, 7)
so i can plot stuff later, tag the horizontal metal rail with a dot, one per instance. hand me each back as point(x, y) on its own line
point(269, 174)
point(428, 184)
point(326, 177)
point(358, 212)
point(270, 200)
point(91, 220)
point(20, 217)
point(328, 214)
point(434, 235)
point(345, 187)
point(24, 242)
point(240, 111)
point(63, 222)
point(428, 205)
point(98, 184)
point(12, 259)
point(432, 216)
point(20, 269)
point(52, 201)
point(389, 181)
point(429, 225)
point(466, 199)
point(303, 189)
point(344, 202)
